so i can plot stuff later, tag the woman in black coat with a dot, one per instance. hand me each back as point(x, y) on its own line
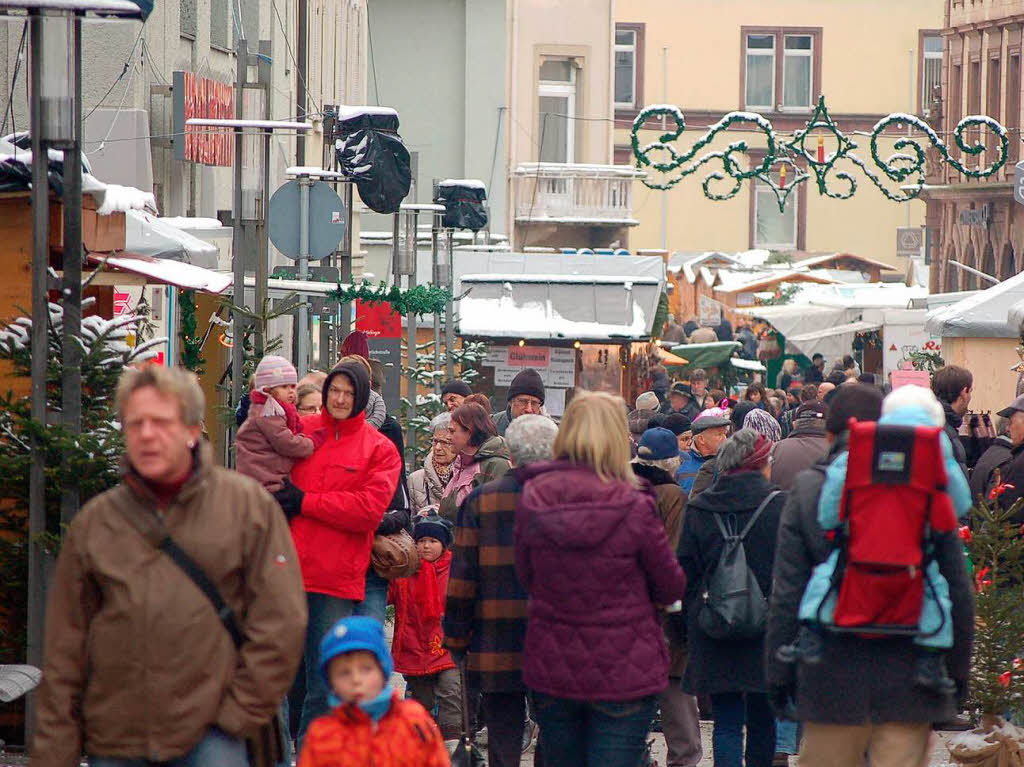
point(731, 671)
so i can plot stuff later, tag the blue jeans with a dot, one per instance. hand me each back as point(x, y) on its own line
point(787, 736)
point(216, 749)
point(595, 733)
point(730, 712)
point(324, 612)
point(375, 601)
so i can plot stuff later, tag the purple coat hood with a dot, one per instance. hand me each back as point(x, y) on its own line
point(595, 560)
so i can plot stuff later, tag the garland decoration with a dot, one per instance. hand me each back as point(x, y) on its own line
point(904, 168)
point(420, 300)
point(191, 343)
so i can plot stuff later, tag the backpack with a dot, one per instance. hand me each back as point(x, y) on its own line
point(894, 497)
point(734, 606)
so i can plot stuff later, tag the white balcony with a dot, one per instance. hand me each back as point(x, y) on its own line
point(586, 195)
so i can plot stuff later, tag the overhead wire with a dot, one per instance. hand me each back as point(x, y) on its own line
point(124, 70)
point(291, 55)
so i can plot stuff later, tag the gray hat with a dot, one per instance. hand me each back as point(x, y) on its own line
point(1016, 405)
point(702, 422)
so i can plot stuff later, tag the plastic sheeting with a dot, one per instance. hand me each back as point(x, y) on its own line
point(832, 342)
point(149, 236)
point(371, 153)
point(463, 202)
point(985, 314)
point(794, 319)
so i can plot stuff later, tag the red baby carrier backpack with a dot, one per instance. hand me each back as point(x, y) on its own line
point(893, 499)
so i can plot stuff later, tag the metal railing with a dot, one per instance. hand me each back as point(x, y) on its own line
point(575, 194)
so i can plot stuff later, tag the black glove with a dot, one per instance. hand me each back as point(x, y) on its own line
point(783, 700)
point(392, 522)
point(290, 499)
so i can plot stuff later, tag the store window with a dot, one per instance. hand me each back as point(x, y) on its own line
point(628, 66)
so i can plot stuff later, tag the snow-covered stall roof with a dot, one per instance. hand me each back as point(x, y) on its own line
point(982, 315)
point(163, 270)
point(545, 306)
point(148, 235)
point(750, 282)
point(821, 261)
point(122, 9)
point(794, 319)
point(690, 264)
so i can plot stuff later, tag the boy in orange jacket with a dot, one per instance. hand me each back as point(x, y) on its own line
point(418, 647)
point(369, 725)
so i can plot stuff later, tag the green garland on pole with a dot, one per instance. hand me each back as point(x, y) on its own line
point(191, 343)
point(905, 167)
point(420, 300)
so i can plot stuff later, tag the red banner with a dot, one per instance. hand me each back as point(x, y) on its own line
point(378, 320)
point(208, 98)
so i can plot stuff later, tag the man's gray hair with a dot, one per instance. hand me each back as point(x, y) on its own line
point(734, 452)
point(530, 439)
point(665, 464)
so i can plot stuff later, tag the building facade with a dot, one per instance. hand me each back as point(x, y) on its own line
point(868, 58)
point(975, 222)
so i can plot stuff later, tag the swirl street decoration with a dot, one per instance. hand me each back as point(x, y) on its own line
point(782, 168)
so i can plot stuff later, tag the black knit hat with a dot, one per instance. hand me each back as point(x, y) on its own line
point(527, 382)
point(677, 423)
point(433, 526)
point(456, 386)
point(356, 373)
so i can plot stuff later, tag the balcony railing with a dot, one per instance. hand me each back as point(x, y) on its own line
point(590, 195)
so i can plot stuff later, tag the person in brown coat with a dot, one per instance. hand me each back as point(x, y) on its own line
point(657, 460)
point(804, 447)
point(138, 665)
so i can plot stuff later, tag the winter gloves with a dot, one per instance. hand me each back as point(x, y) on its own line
point(290, 499)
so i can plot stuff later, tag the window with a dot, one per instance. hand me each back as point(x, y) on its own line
point(781, 69)
point(774, 228)
point(187, 19)
point(761, 72)
point(220, 24)
point(556, 108)
point(1013, 103)
point(629, 47)
point(931, 69)
point(954, 105)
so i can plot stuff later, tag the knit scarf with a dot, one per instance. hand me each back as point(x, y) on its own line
point(274, 407)
point(375, 708)
point(427, 591)
point(444, 473)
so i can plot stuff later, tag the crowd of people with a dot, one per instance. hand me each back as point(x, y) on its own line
point(562, 577)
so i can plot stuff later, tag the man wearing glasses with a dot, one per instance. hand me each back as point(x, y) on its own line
point(525, 397)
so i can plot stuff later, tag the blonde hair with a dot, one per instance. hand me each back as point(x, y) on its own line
point(178, 383)
point(593, 433)
point(361, 360)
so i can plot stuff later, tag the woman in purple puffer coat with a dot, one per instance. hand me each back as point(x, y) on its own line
point(592, 553)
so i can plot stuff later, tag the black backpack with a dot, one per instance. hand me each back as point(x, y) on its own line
point(734, 606)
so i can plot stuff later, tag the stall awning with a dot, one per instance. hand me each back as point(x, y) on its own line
point(547, 306)
point(161, 270)
point(147, 235)
point(793, 319)
point(831, 342)
point(754, 365)
point(668, 359)
point(984, 314)
point(707, 355)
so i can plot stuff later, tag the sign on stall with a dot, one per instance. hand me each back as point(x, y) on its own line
point(557, 366)
point(709, 311)
point(910, 378)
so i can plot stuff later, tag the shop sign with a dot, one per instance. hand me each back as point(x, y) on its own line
point(556, 365)
point(709, 311)
point(197, 96)
point(378, 320)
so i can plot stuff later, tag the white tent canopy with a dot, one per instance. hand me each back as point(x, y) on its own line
point(985, 314)
point(795, 319)
point(831, 342)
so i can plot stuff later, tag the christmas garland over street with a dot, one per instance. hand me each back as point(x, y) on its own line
point(422, 299)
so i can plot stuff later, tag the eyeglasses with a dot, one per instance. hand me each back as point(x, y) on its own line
point(308, 409)
point(445, 442)
point(531, 402)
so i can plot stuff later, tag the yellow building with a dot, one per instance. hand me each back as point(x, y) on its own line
point(868, 58)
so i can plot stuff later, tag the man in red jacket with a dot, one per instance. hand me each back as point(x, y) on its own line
point(337, 501)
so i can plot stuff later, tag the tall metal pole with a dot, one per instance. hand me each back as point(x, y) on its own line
point(302, 336)
point(237, 237)
point(449, 320)
point(71, 289)
point(412, 222)
point(263, 259)
point(40, 358)
point(346, 259)
point(437, 278)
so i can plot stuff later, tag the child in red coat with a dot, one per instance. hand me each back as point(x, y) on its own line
point(370, 725)
point(418, 648)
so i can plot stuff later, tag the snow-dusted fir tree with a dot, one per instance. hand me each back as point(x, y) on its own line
point(467, 360)
point(91, 458)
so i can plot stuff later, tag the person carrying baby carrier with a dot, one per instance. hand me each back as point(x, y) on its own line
point(869, 568)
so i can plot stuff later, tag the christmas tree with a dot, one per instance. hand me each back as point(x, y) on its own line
point(91, 458)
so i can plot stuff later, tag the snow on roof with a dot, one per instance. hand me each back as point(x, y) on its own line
point(985, 314)
point(150, 236)
point(825, 258)
point(470, 183)
point(214, 122)
point(752, 258)
point(314, 172)
point(347, 112)
point(164, 270)
point(195, 223)
point(120, 8)
point(749, 282)
point(566, 279)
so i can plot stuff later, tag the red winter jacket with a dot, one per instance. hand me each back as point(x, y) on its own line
point(419, 606)
point(348, 482)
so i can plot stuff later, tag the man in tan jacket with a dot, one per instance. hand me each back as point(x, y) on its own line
point(138, 665)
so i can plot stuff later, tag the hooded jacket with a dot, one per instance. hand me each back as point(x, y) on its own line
point(418, 647)
point(348, 483)
point(137, 663)
point(952, 429)
point(490, 462)
point(998, 454)
point(595, 560)
point(719, 665)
